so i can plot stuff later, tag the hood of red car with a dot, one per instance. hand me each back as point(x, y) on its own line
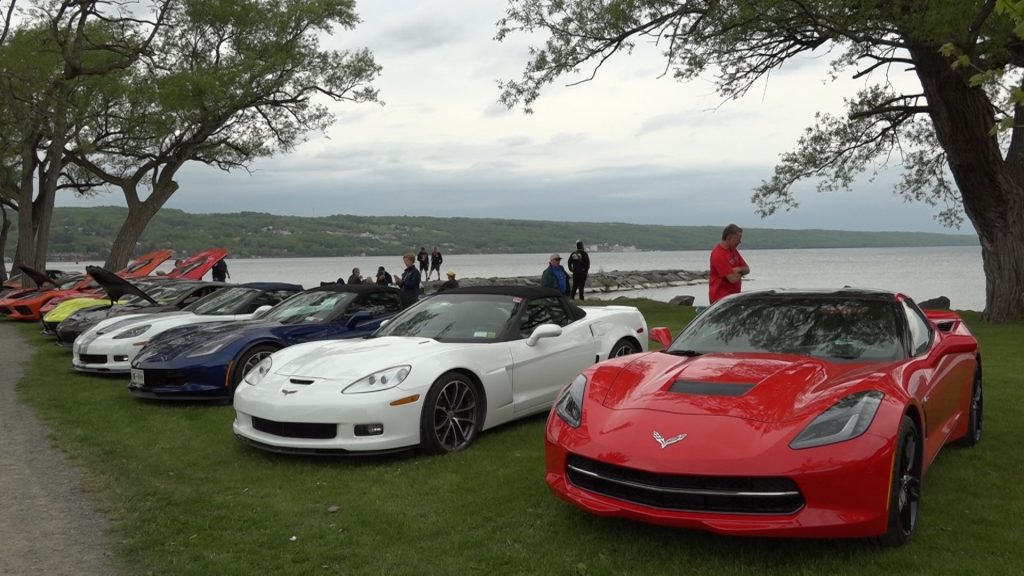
point(145, 264)
point(195, 266)
point(761, 387)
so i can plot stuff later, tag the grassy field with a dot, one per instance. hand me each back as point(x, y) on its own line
point(189, 499)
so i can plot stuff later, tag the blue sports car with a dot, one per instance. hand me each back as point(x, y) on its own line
point(206, 362)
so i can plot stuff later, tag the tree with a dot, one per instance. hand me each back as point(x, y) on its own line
point(226, 81)
point(947, 129)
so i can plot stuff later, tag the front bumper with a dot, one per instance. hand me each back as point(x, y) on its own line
point(843, 489)
point(321, 420)
point(196, 382)
point(102, 357)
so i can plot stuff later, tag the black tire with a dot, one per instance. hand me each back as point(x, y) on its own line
point(905, 487)
point(976, 412)
point(248, 360)
point(452, 414)
point(624, 347)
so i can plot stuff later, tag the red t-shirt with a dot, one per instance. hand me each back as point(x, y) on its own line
point(723, 261)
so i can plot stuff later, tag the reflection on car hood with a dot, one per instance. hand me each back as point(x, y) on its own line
point(761, 387)
point(349, 360)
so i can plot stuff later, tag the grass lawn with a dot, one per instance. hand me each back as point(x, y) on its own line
point(190, 499)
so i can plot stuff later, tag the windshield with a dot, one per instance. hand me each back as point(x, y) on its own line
point(69, 282)
point(317, 306)
point(224, 301)
point(829, 327)
point(455, 318)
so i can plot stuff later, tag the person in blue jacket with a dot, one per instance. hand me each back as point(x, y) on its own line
point(410, 280)
point(555, 276)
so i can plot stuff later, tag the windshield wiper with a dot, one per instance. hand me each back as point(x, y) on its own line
point(689, 353)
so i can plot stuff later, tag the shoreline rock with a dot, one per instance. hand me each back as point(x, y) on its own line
point(597, 282)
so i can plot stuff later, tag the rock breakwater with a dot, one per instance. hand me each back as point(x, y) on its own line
point(598, 282)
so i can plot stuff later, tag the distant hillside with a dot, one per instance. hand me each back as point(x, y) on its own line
point(86, 233)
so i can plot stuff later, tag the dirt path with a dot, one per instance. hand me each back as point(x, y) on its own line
point(46, 524)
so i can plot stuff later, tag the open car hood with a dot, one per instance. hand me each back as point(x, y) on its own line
point(195, 266)
point(145, 264)
point(115, 286)
point(38, 277)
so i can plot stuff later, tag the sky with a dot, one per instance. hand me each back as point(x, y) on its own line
point(626, 147)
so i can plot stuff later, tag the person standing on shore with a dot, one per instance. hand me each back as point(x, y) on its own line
point(435, 263)
point(555, 276)
point(220, 271)
point(424, 259)
point(727, 265)
point(579, 266)
point(410, 280)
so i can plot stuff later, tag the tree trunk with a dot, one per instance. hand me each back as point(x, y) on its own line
point(139, 215)
point(992, 189)
point(5, 226)
point(25, 253)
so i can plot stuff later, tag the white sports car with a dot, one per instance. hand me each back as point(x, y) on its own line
point(109, 346)
point(455, 364)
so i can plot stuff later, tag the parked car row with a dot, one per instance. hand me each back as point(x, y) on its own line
point(806, 413)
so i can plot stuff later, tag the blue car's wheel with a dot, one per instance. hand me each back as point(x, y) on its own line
point(452, 414)
point(248, 360)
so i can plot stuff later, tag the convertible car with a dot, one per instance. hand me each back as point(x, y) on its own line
point(27, 304)
point(208, 362)
point(805, 414)
point(159, 295)
point(111, 345)
point(457, 363)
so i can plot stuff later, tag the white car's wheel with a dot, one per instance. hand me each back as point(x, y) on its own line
point(452, 414)
point(623, 347)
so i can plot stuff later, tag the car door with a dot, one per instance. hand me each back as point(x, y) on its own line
point(541, 370)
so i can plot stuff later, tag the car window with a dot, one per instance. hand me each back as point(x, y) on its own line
point(542, 311)
point(380, 303)
point(309, 307)
point(833, 327)
point(455, 318)
point(223, 301)
point(920, 330)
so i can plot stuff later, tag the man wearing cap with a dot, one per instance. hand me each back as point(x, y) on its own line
point(554, 276)
point(383, 278)
point(450, 283)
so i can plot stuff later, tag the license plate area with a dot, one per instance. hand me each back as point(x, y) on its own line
point(138, 377)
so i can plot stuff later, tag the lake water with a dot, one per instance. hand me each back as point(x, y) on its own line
point(955, 272)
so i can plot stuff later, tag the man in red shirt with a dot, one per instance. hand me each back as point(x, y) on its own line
point(727, 266)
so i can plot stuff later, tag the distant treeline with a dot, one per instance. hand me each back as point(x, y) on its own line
point(87, 233)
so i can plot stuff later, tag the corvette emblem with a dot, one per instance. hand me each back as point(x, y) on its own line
point(666, 442)
point(287, 392)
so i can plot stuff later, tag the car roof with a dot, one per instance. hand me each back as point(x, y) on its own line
point(271, 286)
point(528, 292)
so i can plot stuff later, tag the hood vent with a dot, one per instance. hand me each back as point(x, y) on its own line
point(710, 388)
point(301, 381)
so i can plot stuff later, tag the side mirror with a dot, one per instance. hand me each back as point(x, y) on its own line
point(261, 311)
point(358, 317)
point(384, 323)
point(952, 343)
point(662, 335)
point(543, 331)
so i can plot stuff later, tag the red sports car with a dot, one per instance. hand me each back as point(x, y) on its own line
point(805, 414)
point(27, 304)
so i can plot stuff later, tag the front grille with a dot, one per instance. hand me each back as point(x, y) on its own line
point(93, 358)
point(23, 310)
point(295, 429)
point(163, 379)
point(722, 494)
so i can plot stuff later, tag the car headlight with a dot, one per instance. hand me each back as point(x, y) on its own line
point(132, 332)
point(259, 372)
point(207, 348)
point(844, 420)
point(381, 380)
point(569, 406)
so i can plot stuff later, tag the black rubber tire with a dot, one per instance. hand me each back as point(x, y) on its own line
point(452, 414)
point(248, 360)
point(904, 487)
point(976, 412)
point(624, 347)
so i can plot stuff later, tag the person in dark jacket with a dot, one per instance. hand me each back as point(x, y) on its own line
point(355, 278)
point(435, 263)
point(450, 283)
point(579, 266)
point(383, 278)
point(410, 281)
point(555, 276)
point(424, 259)
point(220, 271)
